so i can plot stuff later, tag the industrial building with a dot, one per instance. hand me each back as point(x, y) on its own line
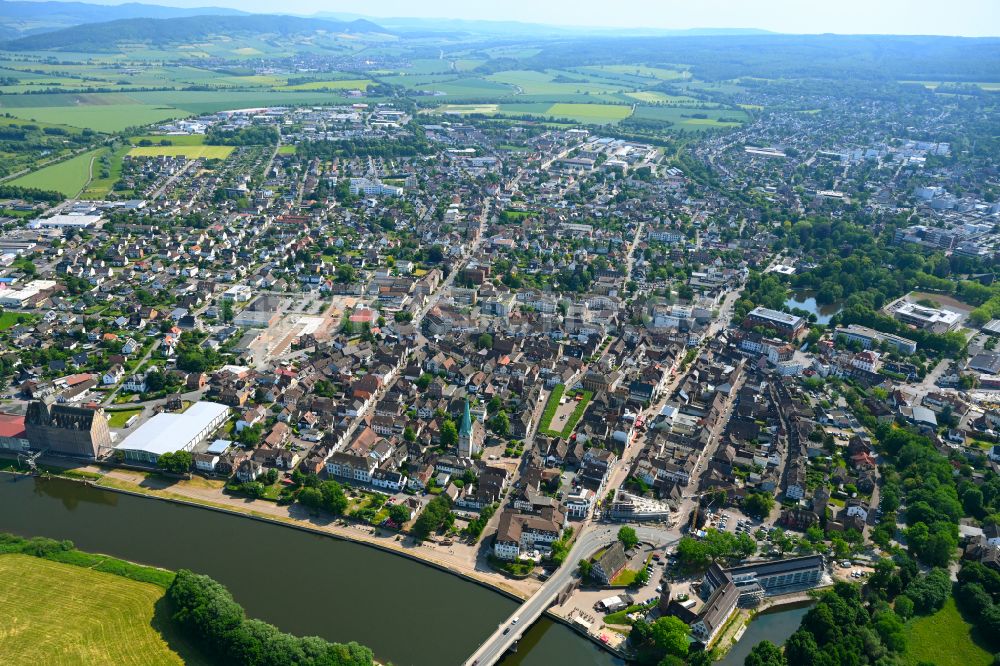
point(170, 432)
point(72, 431)
point(29, 294)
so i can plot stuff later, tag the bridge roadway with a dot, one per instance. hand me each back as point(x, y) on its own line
point(592, 538)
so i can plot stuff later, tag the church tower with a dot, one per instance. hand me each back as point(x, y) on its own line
point(468, 442)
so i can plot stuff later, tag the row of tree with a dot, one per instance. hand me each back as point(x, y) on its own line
point(207, 612)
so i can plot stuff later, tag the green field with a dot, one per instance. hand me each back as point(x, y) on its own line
point(172, 139)
point(99, 187)
point(68, 176)
point(694, 119)
point(464, 109)
point(656, 97)
point(100, 117)
point(590, 113)
point(342, 84)
point(8, 319)
point(190, 152)
point(530, 82)
point(944, 639)
point(58, 613)
point(659, 73)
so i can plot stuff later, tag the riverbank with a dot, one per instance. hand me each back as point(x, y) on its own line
point(127, 483)
point(742, 620)
point(49, 580)
point(303, 582)
point(200, 493)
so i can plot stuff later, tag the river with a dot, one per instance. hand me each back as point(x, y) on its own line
point(306, 584)
point(775, 626)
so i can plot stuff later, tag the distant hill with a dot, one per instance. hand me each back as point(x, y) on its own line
point(24, 18)
point(411, 24)
point(103, 37)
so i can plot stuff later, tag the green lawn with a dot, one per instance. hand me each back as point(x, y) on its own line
point(57, 613)
point(944, 639)
point(626, 577)
point(8, 319)
point(552, 405)
point(68, 176)
point(117, 419)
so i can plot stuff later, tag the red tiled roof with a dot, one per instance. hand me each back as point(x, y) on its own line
point(11, 425)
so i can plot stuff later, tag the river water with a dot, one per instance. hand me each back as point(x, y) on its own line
point(306, 584)
point(775, 626)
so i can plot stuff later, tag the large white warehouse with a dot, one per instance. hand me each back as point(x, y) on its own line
point(167, 432)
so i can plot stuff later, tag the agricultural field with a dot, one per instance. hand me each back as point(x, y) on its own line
point(332, 84)
point(553, 82)
point(465, 109)
point(657, 97)
point(692, 119)
point(590, 113)
point(69, 176)
point(659, 73)
point(190, 152)
point(99, 117)
point(61, 613)
point(172, 139)
point(944, 639)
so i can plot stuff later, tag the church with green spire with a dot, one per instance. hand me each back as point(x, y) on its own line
point(469, 439)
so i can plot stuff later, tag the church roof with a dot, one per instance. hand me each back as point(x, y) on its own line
point(466, 429)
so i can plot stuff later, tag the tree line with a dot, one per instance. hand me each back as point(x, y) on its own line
point(208, 613)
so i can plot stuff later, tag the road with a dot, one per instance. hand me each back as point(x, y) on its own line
point(170, 181)
point(598, 536)
point(142, 362)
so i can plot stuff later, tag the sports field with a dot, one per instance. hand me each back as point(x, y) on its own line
point(58, 613)
point(68, 176)
point(190, 152)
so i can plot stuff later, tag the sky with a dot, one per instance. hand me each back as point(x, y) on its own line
point(972, 18)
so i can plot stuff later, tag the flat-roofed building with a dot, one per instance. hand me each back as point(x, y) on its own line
point(170, 432)
point(782, 322)
point(869, 337)
point(937, 320)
